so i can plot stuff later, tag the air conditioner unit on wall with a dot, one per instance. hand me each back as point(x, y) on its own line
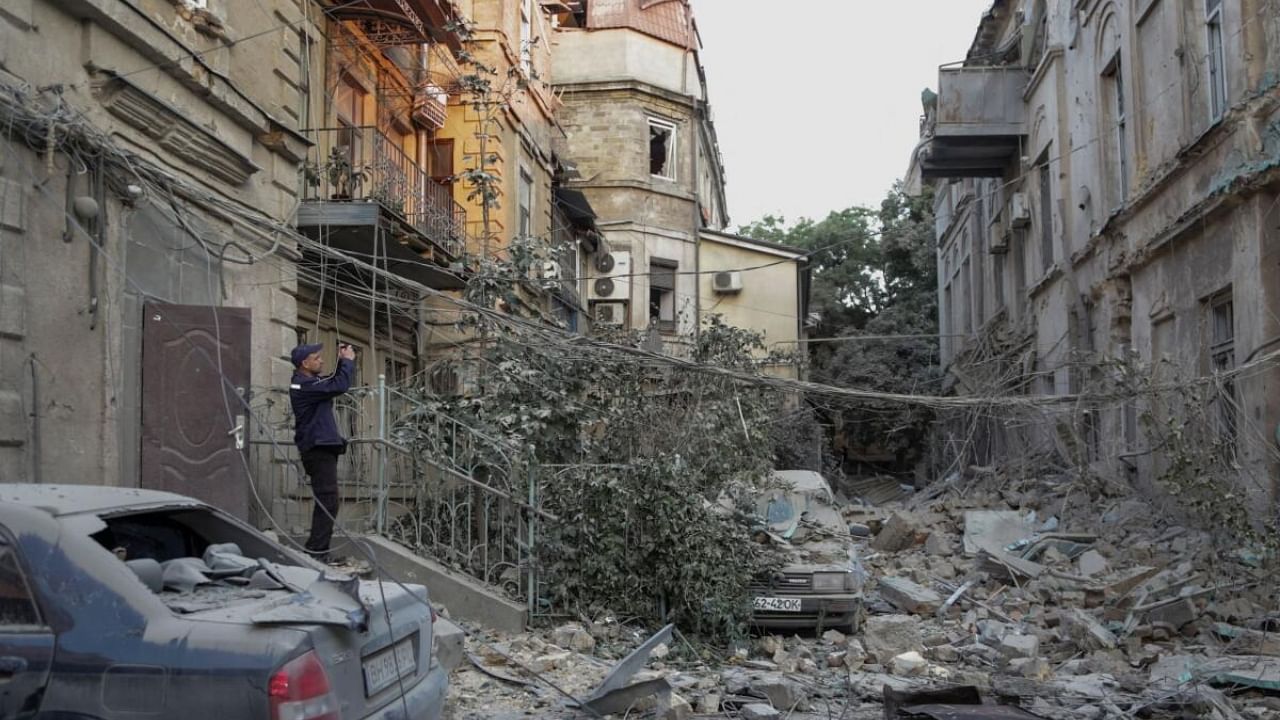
point(727, 282)
point(612, 314)
point(1019, 210)
point(612, 277)
point(551, 270)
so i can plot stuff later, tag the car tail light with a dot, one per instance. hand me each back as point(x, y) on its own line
point(299, 690)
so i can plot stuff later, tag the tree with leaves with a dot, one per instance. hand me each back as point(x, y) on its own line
point(874, 274)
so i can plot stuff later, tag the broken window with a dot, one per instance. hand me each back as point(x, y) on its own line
point(1222, 360)
point(1217, 58)
point(662, 149)
point(1117, 122)
point(17, 608)
point(1046, 213)
point(662, 294)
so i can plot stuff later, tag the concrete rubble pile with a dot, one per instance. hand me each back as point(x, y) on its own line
point(1029, 595)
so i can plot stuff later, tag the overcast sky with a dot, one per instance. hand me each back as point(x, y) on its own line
point(817, 102)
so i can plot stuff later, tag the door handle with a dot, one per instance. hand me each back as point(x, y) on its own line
point(238, 432)
point(11, 665)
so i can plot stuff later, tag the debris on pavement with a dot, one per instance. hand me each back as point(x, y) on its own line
point(1041, 601)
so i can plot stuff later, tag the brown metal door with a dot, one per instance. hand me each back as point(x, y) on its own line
point(195, 372)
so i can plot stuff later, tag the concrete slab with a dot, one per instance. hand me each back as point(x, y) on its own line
point(466, 598)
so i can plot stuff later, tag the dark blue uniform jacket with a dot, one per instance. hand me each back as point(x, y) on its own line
point(312, 401)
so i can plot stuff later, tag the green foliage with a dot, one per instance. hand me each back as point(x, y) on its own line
point(1191, 426)
point(874, 273)
point(633, 457)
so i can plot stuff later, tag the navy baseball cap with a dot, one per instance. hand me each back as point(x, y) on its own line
point(301, 352)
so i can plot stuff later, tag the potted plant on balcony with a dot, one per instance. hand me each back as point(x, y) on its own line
point(344, 177)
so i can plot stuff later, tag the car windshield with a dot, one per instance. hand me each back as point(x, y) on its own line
point(781, 511)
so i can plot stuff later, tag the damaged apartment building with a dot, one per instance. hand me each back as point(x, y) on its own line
point(149, 160)
point(638, 125)
point(1107, 188)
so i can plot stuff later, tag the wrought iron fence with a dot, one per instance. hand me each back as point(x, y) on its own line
point(361, 164)
point(446, 490)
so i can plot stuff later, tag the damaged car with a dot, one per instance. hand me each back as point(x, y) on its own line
point(119, 602)
point(819, 584)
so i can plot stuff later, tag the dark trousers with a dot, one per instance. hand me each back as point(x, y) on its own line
point(321, 464)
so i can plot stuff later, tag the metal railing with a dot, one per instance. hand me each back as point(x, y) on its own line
point(473, 500)
point(360, 164)
point(446, 490)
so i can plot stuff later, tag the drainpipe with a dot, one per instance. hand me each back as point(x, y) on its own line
point(35, 421)
point(697, 229)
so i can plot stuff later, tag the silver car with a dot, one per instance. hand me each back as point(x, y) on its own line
point(117, 603)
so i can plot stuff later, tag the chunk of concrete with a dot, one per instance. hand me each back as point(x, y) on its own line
point(782, 693)
point(674, 707)
point(994, 529)
point(944, 653)
point(939, 545)
point(551, 661)
point(450, 642)
point(909, 664)
point(1086, 631)
point(574, 637)
point(759, 711)
point(1032, 668)
point(909, 597)
point(1091, 563)
point(1174, 614)
point(835, 637)
point(1019, 646)
point(887, 636)
point(898, 534)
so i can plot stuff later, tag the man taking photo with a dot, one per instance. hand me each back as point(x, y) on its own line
point(316, 434)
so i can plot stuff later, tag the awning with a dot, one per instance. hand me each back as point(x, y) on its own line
point(576, 206)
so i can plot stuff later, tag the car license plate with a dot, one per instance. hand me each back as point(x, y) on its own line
point(380, 670)
point(773, 604)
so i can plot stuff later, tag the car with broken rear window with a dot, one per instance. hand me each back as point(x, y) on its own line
point(819, 584)
point(118, 602)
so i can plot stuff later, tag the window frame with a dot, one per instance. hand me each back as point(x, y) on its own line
point(1044, 183)
point(524, 202)
point(1221, 358)
point(1117, 115)
point(670, 164)
point(658, 266)
point(1216, 57)
point(11, 548)
point(526, 37)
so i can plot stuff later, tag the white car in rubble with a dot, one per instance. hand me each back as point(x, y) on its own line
point(820, 582)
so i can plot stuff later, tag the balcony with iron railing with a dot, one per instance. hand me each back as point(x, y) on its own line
point(362, 183)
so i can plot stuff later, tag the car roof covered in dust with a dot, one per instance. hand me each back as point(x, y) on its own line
point(803, 480)
point(60, 500)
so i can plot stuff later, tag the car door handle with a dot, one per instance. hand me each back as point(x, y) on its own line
point(11, 665)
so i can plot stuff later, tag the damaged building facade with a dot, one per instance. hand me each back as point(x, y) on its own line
point(639, 127)
point(1107, 180)
point(149, 158)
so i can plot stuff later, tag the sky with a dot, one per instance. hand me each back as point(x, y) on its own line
point(817, 102)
